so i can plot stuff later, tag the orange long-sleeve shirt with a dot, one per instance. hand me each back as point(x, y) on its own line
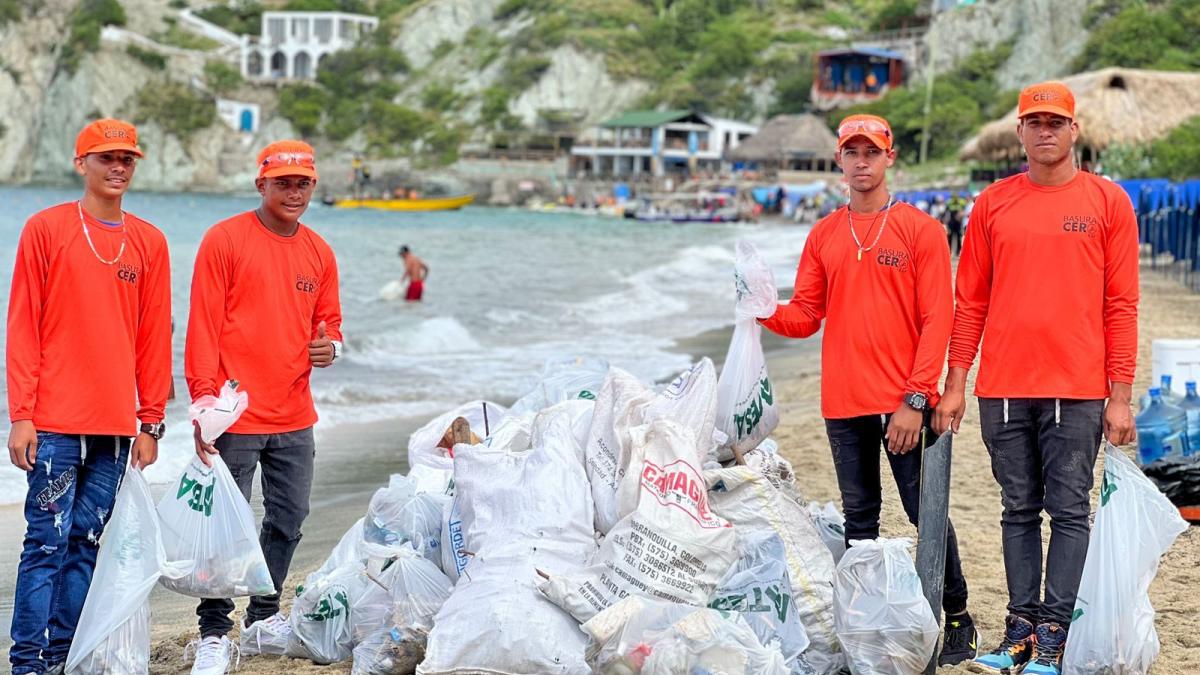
point(89, 344)
point(887, 316)
point(257, 298)
point(1049, 279)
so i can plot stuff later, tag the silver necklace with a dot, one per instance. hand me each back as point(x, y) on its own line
point(88, 236)
point(850, 219)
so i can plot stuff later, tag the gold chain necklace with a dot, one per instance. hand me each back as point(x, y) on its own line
point(88, 236)
point(850, 220)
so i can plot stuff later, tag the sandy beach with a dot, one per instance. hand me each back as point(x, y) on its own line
point(343, 489)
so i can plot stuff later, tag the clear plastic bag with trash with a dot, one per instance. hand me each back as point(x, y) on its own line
point(885, 624)
point(1112, 629)
point(206, 520)
point(398, 516)
point(322, 615)
point(215, 414)
point(644, 636)
point(746, 409)
point(393, 617)
point(831, 526)
point(563, 380)
point(113, 633)
point(759, 588)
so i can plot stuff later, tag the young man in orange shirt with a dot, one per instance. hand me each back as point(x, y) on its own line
point(1049, 279)
point(878, 274)
point(88, 356)
point(264, 312)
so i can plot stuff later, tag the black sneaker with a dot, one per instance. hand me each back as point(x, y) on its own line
point(960, 640)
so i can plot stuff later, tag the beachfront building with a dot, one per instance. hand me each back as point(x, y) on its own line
point(854, 75)
point(293, 44)
point(791, 149)
point(239, 115)
point(657, 143)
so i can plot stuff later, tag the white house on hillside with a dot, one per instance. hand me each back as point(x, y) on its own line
point(293, 44)
point(657, 143)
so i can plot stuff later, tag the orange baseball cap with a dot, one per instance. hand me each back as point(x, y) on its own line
point(1047, 97)
point(872, 127)
point(287, 158)
point(106, 135)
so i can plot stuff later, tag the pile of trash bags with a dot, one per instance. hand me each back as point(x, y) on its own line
point(601, 524)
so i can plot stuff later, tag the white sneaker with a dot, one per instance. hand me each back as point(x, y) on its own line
point(266, 636)
point(212, 655)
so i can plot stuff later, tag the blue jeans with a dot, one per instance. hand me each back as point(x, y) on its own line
point(70, 498)
point(1043, 454)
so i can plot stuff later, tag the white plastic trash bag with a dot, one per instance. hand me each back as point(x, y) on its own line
point(524, 509)
point(114, 627)
point(206, 520)
point(215, 414)
point(765, 459)
point(392, 618)
point(653, 637)
point(748, 500)
point(1112, 631)
point(883, 619)
point(671, 546)
point(746, 409)
point(428, 441)
point(831, 526)
point(563, 380)
point(759, 588)
point(624, 403)
point(322, 615)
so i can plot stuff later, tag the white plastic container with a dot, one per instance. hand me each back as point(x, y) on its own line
point(1178, 358)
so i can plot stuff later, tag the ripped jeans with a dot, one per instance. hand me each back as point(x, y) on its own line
point(69, 501)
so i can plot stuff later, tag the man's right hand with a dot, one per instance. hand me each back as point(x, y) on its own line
point(203, 450)
point(23, 444)
point(950, 409)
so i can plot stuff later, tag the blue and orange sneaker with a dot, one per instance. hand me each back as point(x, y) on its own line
point(1014, 652)
point(1049, 640)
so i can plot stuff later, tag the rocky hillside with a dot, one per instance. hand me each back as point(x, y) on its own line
point(441, 75)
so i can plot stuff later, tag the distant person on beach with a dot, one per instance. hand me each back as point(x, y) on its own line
point(953, 218)
point(879, 272)
point(1049, 280)
point(265, 312)
point(415, 272)
point(88, 353)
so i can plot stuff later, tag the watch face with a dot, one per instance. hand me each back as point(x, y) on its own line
point(917, 401)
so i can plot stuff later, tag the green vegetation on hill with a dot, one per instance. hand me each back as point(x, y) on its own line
point(175, 107)
point(84, 25)
point(355, 91)
point(239, 16)
point(1156, 34)
point(10, 10)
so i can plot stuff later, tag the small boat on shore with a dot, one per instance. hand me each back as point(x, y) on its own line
point(449, 203)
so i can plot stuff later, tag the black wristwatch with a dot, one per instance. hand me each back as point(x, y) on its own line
point(154, 431)
point(916, 401)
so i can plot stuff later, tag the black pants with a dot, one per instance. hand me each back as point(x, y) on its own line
point(954, 236)
point(1043, 453)
point(287, 472)
point(856, 444)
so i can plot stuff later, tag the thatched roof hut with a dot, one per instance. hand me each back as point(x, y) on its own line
point(1114, 106)
point(787, 140)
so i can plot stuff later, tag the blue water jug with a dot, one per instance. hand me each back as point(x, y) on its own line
point(1162, 430)
point(1168, 395)
point(1191, 406)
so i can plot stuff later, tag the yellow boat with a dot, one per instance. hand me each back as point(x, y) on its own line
point(420, 204)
